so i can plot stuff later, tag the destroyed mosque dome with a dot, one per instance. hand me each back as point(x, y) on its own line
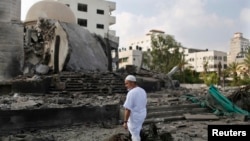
point(50, 10)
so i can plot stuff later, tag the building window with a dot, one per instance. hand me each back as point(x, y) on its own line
point(215, 65)
point(98, 11)
point(67, 5)
point(225, 66)
point(225, 58)
point(82, 7)
point(125, 59)
point(82, 22)
point(100, 26)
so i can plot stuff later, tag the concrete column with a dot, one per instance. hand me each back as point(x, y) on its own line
point(11, 39)
point(10, 10)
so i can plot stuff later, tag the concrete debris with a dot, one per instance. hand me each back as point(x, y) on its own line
point(188, 126)
point(42, 69)
point(53, 46)
point(23, 105)
point(241, 97)
point(201, 117)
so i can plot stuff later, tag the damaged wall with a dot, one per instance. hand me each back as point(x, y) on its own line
point(11, 39)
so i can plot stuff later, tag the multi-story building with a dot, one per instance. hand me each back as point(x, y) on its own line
point(195, 58)
point(130, 57)
point(213, 59)
point(144, 43)
point(238, 46)
point(94, 15)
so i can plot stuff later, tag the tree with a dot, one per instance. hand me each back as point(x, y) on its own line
point(211, 79)
point(219, 72)
point(232, 69)
point(165, 54)
point(181, 66)
point(247, 60)
point(205, 67)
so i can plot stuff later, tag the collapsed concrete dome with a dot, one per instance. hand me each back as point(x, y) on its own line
point(57, 43)
point(63, 47)
point(50, 10)
point(84, 52)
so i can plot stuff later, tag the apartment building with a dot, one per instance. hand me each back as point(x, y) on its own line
point(132, 55)
point(144, 43)
point(238, 45)
point(197, 59)
point(95, 15)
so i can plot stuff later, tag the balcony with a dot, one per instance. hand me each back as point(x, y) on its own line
point(112, 6)
point(112, 20)
point(111, 36)
point(113, 40)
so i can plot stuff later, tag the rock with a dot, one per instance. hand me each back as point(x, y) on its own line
point(64, 101)
point(42, 69)
point(23, 105)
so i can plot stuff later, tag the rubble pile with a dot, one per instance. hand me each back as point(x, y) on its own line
point(241, 97)
point(102, 83)
point(173, 115)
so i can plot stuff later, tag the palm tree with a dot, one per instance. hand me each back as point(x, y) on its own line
point(205, 66)
point(233, 68)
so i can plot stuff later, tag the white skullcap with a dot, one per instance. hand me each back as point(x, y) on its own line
point(131, 78)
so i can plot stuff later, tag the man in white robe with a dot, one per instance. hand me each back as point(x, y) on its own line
point(135, 108)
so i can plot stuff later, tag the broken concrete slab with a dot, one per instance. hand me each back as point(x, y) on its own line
point(42, 69)
point(201, 117)
point(23, 105)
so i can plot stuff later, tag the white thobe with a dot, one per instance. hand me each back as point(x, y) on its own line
point(136, 102)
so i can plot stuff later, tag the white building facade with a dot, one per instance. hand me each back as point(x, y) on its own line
point(144, 43)
point(130, 57)
point(213, 59)
point(94, 15)
point(196, 58)
point(132, 54)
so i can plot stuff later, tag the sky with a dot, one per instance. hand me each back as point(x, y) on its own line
point(201, 24)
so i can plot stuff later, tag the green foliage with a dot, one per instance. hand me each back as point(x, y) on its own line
point(165, 54)
point(245, 81)
point(190, 76)
point(235, 67)
point(232, 70)
point(210, 78)
point(247, 59)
